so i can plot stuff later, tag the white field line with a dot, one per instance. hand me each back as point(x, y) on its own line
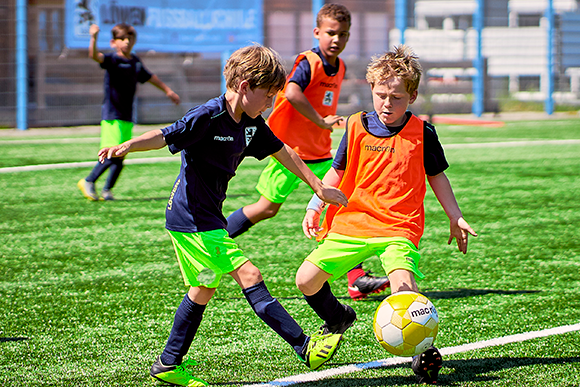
point(51, 141)
point(318, 375)
point(508, 144)
point(44, 167)
point(152, 160)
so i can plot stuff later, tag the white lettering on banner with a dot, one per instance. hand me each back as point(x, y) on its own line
point(217, 19)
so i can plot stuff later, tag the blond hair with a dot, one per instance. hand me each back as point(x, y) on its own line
point(332, 11)
point(401, 62)
point(260, 66)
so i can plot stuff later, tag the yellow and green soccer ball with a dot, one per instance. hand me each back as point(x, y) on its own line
point(406, 323)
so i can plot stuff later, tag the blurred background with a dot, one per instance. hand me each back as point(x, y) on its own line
point(479, 56)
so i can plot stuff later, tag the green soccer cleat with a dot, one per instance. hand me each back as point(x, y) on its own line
point(320, 349)
point(175, 375)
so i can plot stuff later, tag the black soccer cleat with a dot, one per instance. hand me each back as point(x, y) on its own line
point(347, 320)
point(427, 365)
point(367, 284)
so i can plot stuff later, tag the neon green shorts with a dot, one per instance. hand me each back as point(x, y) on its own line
point(115, 132)
point(204, 257)
point(337, 254)
point(276, 182)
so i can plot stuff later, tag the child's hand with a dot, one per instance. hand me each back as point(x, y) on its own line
point(94, 30)
point(332, 195)
point(173, 97)
point(459, 230)
point(329, 121)
point(310, 224)
point(114, 151)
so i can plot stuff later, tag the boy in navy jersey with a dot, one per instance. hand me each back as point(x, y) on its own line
point(303, 116)
point(213, 139)
point(381, 164)
point(123, 71)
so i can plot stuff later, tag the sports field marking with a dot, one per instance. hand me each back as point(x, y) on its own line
point(82, 164)
point(318, 375)
point(153, 160)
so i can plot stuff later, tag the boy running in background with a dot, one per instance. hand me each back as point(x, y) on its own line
point(123, 71)
point(381, 165)
point(303, 116)
point(213, 139)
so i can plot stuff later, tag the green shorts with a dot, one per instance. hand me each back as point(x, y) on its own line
point(276, 182)
point(204, 257)
point(337, 254)
point(115, 132)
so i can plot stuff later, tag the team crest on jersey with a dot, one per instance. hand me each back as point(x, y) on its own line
point(250, 131)
point(328, 98)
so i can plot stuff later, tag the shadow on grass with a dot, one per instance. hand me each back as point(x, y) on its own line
point(447, 294)
point(6, 339)
point(454, 373)
point(457, 293)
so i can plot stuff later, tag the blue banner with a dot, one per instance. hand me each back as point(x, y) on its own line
point(168, 25)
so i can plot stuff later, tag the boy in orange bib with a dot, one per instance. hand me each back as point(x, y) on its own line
point(303, 116)
point(381, 166)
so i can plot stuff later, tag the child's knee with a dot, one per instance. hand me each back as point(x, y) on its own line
point(309, 279)
point(249, 275)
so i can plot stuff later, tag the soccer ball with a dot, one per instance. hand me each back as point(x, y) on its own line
point(406, 323)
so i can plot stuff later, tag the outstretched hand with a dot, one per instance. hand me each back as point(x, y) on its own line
point(173, 97)
point(459, 230)
point(114, 151)
point(331, 120)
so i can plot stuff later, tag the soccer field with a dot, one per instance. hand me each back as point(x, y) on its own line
point(88, 289)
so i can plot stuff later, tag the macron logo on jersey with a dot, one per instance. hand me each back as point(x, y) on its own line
point(223, 138)
point(250, 131)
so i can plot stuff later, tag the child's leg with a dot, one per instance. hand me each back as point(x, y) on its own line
point(114, 172)
point(402, 280)
point(185, 324)
point(313, 283)
point(98, 170)
point(268, 308)
point(241, 220)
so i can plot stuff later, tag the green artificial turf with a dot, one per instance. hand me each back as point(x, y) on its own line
point(88, 289)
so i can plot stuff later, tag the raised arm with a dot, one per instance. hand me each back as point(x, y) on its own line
point(459, 228)
point(299, 101)
point(155, 81)
point(147, 141)
point(288, 158)
point(93, 52)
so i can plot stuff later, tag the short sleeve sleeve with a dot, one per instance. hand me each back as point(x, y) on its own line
point(187, 130)
point(433, 155)
point(302, 74)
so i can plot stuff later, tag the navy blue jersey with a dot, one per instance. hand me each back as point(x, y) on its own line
point(433, 156)
point(212, 146)
point(303, 73)
point(120, 85)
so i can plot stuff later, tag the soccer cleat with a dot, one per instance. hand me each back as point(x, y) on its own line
point(88, 189)
point(320, 349)
point(176, 375)
point(427, 365)
point(348, 319)
point(106, 194)
point(367, 284)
